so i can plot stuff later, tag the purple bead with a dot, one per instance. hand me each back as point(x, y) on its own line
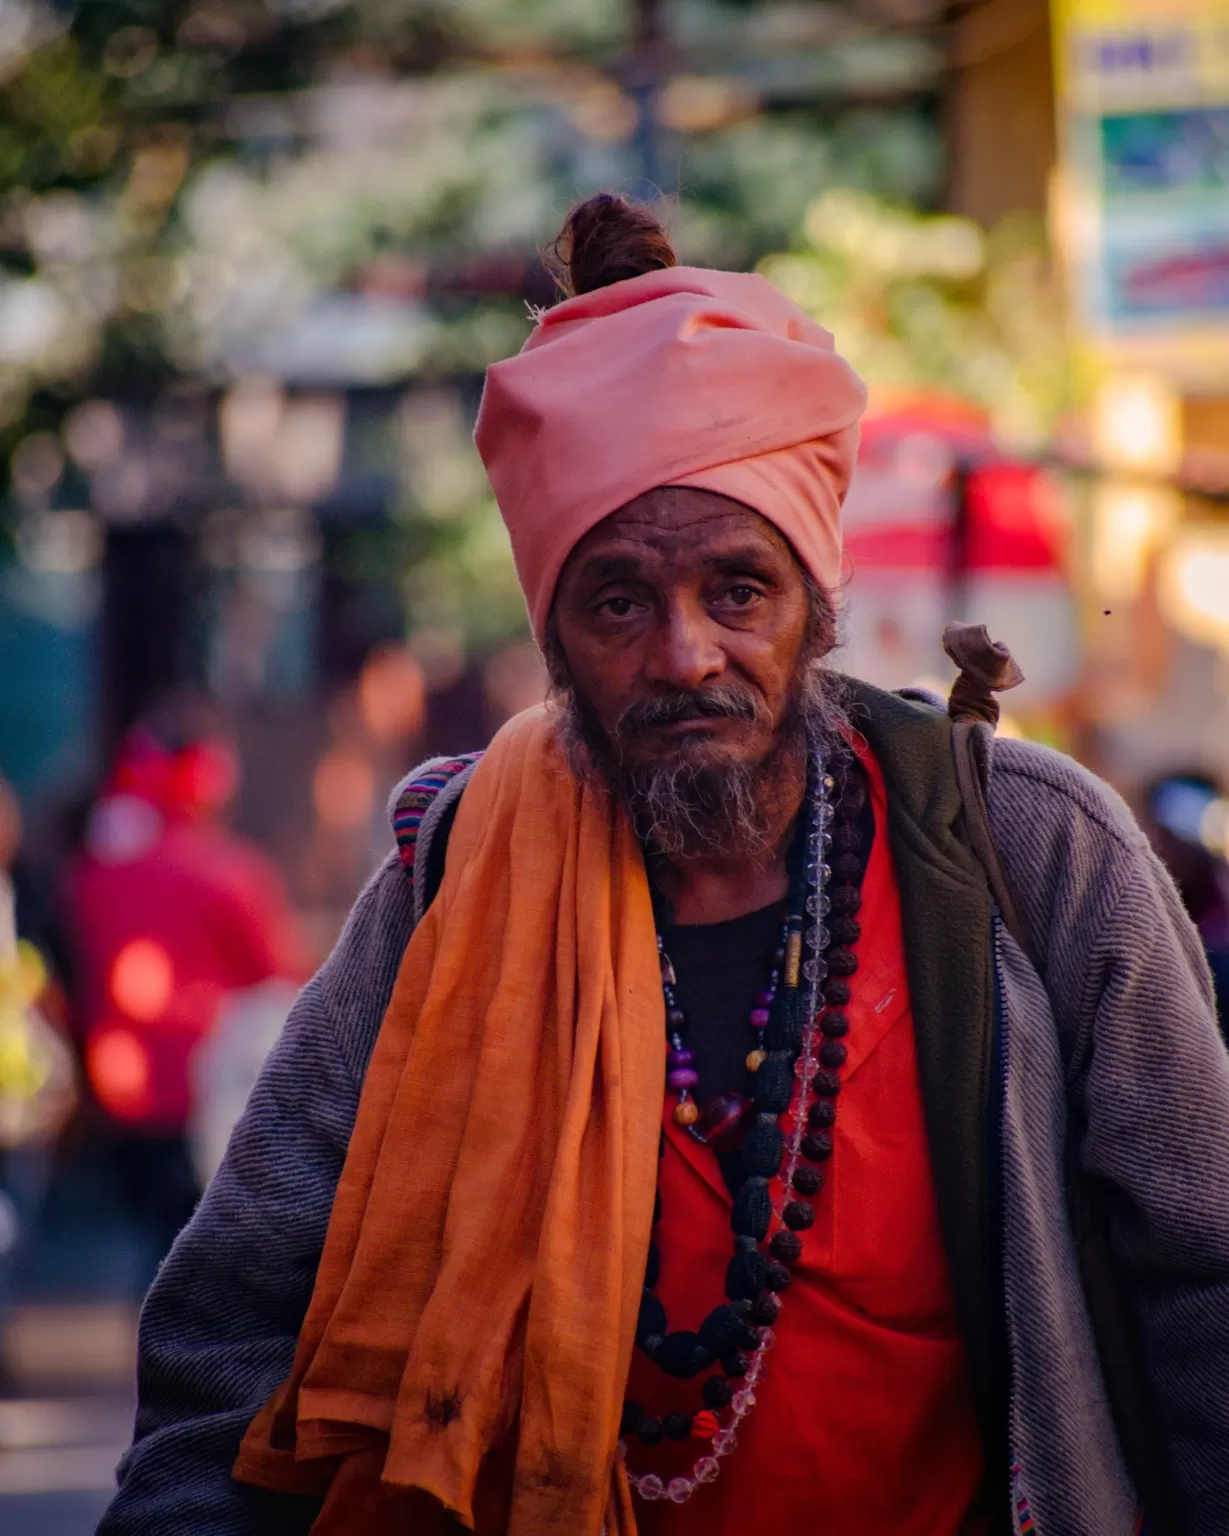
point(764, 1000)
point(759, 1018)
point(680, 1058)
point(682, 1078)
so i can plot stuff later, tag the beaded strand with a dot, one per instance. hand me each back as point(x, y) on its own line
point(828, 963)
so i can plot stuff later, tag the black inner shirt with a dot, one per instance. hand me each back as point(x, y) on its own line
point(721, 968)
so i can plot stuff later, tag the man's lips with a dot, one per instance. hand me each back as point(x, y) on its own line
point(692, 723)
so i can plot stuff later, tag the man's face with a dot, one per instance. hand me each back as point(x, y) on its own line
point(684, 621)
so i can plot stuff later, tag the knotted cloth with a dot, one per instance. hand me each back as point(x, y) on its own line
point(468, 1340)
point(680, 377)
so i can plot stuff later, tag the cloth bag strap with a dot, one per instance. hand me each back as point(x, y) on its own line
point(987, 667)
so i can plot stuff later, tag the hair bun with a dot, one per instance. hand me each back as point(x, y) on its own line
point(606, 239)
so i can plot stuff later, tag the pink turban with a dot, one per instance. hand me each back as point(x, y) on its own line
point(679, 377)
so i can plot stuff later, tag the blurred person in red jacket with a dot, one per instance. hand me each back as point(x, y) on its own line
point(172, 914)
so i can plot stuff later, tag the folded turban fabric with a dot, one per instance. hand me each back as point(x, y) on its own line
point(679, 377)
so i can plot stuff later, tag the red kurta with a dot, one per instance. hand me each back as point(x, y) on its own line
point(864, 1422)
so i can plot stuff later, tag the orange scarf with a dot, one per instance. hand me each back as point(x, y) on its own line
point(468, 1340)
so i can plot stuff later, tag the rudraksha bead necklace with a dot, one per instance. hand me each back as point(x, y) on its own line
point(800, 1024)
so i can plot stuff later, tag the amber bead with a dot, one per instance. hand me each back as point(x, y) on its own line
point(755, 1060)
point(686, 1113)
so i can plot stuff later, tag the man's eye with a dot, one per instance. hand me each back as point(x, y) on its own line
point(616, 607)
point(742, 597)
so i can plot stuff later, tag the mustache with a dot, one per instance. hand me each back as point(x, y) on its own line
point(720, 701)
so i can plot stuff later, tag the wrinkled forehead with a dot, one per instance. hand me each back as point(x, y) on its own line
point(675, 530)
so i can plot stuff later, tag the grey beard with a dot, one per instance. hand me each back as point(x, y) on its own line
point(683, 809)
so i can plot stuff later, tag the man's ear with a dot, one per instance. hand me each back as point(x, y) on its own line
point(553, 655)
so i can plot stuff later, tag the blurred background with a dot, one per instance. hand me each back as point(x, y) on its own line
point(254, 256)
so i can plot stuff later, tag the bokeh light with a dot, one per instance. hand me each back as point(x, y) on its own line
point(142, 980)
point(1194, 584)
point(94, 433)
point(392, 694)
point(343, 790)
point(118, 1067)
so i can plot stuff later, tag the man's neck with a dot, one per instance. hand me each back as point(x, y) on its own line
point(715, 887)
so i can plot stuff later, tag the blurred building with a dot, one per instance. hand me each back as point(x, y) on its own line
point(1141, 213)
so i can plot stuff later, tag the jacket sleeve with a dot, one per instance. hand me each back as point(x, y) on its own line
point(1132, 996)
point(1156, 1095)
point(219, 1326)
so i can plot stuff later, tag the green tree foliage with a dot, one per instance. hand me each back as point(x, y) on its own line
point(934, 303)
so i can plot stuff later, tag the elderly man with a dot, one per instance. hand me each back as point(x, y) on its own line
point(714, 1120)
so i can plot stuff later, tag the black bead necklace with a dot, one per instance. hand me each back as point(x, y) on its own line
point(800, 1038)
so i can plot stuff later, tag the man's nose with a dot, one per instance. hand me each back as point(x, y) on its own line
point(685, 651)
